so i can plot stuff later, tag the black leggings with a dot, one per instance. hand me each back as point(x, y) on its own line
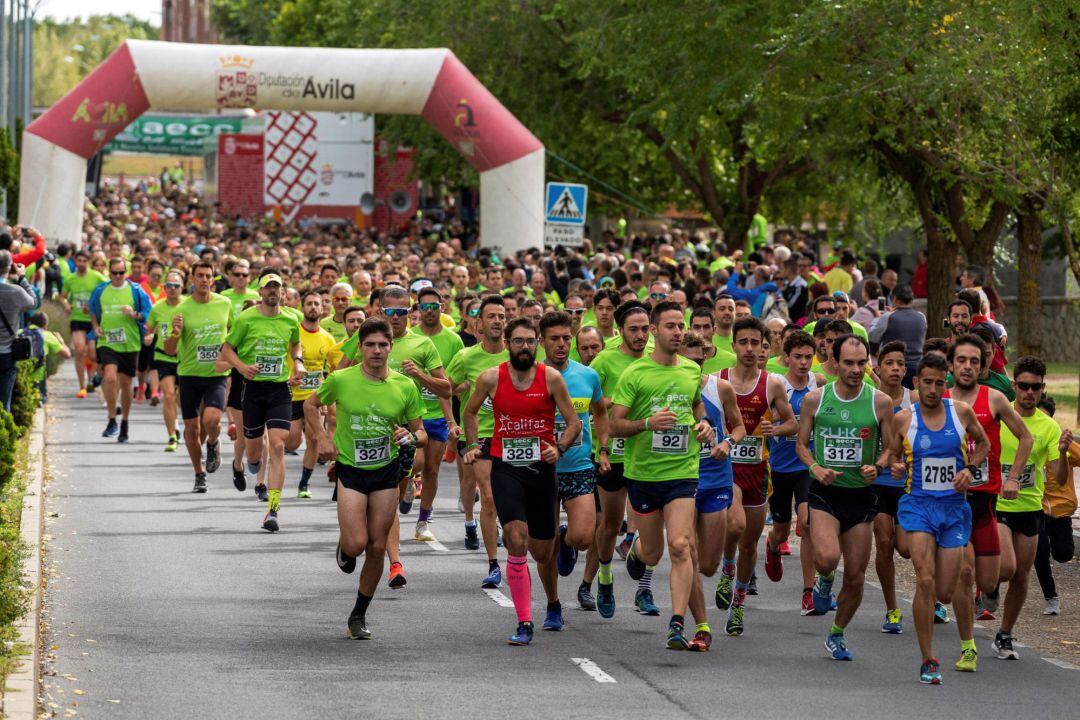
point(1055, 541)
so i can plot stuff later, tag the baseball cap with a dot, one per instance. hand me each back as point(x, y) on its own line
point(271, 278)
point(419, 284)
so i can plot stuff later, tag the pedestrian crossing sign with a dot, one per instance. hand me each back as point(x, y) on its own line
point(566, 203)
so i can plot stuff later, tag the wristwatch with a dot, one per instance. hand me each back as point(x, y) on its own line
point(973, 469)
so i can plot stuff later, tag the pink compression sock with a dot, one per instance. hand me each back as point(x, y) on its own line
point(517, 577)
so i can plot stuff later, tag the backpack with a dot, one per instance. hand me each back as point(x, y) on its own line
point(37, 345)
point(775, 306)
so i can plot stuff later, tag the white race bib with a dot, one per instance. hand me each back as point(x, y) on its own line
point(207, 353)
point(671, 442)
point(706, 450)
point(268, 365)
point(521, 451)
point(981, 476)
point(116, 336)
point(371, 451)
point(311, 380)
point(842, 452)
point(560, 428)
point(1027, 478)
point(938, 474)
point(618, 446)
point(750, 450)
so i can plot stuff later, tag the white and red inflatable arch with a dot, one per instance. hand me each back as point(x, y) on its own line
point(144, 74)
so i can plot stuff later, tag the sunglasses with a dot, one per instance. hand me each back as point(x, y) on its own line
point(575, 311)
point(523, 342)
point(396, 312)
point(241, 275)
point(424, 307)
point(658, 296)
point(473, 313)
point(1030, 386)
point(116, 272)
point(825, 312)
point(173, 286)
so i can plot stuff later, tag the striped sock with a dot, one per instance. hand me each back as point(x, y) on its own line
point(739, 598)
point(645, 583)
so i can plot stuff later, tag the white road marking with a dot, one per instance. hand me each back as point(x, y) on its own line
point(438, 546)
point(1061, 664)
point(592, 670)
point(500, 599)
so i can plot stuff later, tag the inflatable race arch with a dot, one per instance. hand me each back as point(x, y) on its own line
point(143, 74)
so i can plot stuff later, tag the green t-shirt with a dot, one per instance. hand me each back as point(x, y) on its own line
point(846, 435)
point(160, 323)
point(409, 346)
point(77, 290)
point(52, 346)
point(995, 380)
point(118, 331)
point(1045, 433)
point(206, 325)
point(610, 364)
point(466, 367)
point(773, 365)
point(613, 342)
point(645, 387)
point(448, 344)
point(718, 362)
point(238, 299)
point(367, 413)
point(332, 326)
point(264, 341)
point(856, 329)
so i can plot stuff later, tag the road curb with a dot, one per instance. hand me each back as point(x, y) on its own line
point(24, 683)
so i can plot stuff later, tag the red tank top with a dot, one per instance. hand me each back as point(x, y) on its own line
point(990, 471)
point(751, 454)
point(523, 418)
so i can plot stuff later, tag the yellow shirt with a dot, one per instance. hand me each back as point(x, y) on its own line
point(335, 355)
point(315, 348)
point(839, 279)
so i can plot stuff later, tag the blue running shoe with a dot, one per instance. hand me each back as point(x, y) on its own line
point(894, 622)
point(941, 615)
point(676, 639)
point(566, 558)
point(524, 634)
point(821, 594)
point(472, 541)
point(635, 567)
point(832, 602)
point(837, 647)
point(605, 599)
point(643, 601)
point(930, 672)
point(553, 621)
point(493, 579)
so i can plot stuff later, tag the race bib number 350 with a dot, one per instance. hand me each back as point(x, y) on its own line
point(749, 450)
point(521, 451)
point(371, 451)
point(268, 365)
point(671, 442)
point(842, 452)
point(207, 353)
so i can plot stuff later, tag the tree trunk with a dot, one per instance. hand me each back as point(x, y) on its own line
point(1029, 295)
point(940, 278)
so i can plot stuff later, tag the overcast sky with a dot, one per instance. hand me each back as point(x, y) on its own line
point(63, 9)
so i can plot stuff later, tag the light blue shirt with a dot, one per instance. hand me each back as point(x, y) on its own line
point(583, 383)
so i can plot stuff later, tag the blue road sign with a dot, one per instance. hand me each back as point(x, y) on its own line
point(566, 203)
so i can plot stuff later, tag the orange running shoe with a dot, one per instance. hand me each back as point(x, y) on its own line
point(81, 394)
point(397, 576)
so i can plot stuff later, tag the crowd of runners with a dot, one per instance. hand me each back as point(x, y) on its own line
point(671, 395)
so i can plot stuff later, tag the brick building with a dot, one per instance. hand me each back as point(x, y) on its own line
point(187, 21)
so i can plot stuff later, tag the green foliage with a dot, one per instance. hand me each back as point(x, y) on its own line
point(25, 399)
point(9, 169)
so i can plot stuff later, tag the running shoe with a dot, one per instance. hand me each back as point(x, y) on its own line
point(566, 557)
point(553, 619)
point(751, 587)
point(605, 599)
point(111, 429)
point(345, 563)
point(200, 483)
point(724, 589)
point(232, 432)
point(585, 599)
point(405, 506)
point(643, 601)
point(270, 522)
point(836, 644)
point(832, 602)
point(155, 399)
point(968, 659)
point(358, 629)
point(81, 394)
point(941, 613)
point(423, 532)
point(524, 634)
point(261, 492)
point(634, 566)
point(676, 639)
point(493, 579)
point(213, 457)
point(173, 444)
point(396, 580)
point(930, 672)
point(302, 491)
point(1003, 646)
point(1053, 606)
point(808, 603)
point(472, 542)
point(702, 641)
point(238, 480)
point(990, 600)
point(774, 564)
point(894, 622)
point(123, 436)
point(984, 615)
point(822, 594)
point(419, 489)
point(785, 548)
point(624, 547)
point(735, 617)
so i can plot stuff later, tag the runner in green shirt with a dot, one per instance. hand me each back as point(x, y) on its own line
point(463, 371)
point(158, 329)
point(75, 297)
point(239, 291)
point(259, 346)
point(657, 405)
point(341, 297)
point(378, 414)
point(1020, 519)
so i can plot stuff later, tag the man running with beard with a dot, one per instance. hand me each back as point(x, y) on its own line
point(315, 346)
point(261, 340)
point(845, 420)
point(931, 439)
point(524, 397)
point(158, 329)
point(790, 478)
point(199, 327)
point(463, 372)
point(889, 487)
point(75, 298)
point(377, 412)
point(657, 405)
point(981, 564)
point(574, 471)
point(766, 413)
point(633, 321)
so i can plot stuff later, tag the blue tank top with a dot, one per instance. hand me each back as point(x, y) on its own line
point(888, 479)
point(713, 474)
point(782, 457)
point(935, 456)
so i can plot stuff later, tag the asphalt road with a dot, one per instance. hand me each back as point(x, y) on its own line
point(164, 604)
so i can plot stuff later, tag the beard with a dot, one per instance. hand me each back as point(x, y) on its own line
point(522, 360)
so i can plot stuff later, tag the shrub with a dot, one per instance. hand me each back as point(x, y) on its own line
point(25, 399)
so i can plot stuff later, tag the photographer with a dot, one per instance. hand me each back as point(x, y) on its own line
point(16, 297)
